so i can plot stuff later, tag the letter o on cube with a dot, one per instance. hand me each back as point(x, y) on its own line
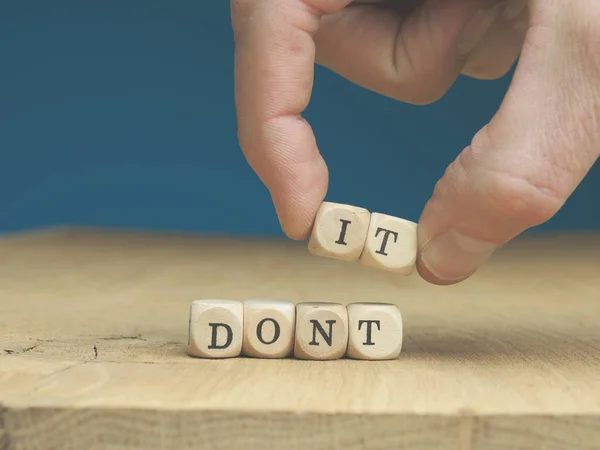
point(268, 328)
point(216, 328)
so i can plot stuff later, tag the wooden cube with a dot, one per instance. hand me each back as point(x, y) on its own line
point(339, 231)
point(374, 331)
point(391, 244)
point(215, 328)
point(321, 331)
point(268, 328)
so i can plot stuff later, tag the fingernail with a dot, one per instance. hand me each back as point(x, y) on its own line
point(453, 256)
point(477, 27)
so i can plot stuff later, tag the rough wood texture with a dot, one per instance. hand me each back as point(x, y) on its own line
point(93, 330)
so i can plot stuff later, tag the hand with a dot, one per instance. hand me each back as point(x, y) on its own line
point(519, 169)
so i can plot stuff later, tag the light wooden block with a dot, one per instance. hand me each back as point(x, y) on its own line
point(321, 331)
point(268, 328)
point(216, 328)
point(374, 331)
point(391, 244)
point(339, 231)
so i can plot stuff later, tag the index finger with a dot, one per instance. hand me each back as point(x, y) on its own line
point(274, 72)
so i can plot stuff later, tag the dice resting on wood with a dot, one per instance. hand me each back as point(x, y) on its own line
point(280, 329)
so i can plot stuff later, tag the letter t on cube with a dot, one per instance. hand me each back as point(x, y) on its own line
point(391, 244)
point(339, 231)
point(216, 328)
point(374, 330)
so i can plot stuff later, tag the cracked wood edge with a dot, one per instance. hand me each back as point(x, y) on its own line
point(564, 348)
point(66, 429)
point(85, 428)
point(79, 425)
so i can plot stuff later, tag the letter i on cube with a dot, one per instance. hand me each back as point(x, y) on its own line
point(339, 231)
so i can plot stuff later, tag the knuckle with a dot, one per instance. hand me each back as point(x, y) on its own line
point(420, 86)
point(414, 79)
point(417, 94)
point(488, 71)
point(508, 195)
point(426, 95)
point(519, 199)
point(526, 198)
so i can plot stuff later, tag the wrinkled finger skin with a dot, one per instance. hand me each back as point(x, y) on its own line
point(409, 54)
point(518, 170)
point(274, 60)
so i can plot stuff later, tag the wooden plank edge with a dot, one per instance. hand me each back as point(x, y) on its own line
point(82, 428)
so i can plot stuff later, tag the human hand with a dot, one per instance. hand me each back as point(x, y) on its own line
point(519, 169)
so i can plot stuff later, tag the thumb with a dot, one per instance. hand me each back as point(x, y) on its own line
point(520, 168)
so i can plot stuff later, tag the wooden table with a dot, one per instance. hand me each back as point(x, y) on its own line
point(93, 327)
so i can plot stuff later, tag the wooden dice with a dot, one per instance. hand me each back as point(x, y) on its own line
point(339, 231)
point(268, 328)
point(391, 244)
point(317, 330)
point(279, 329)
point(215, 328)
point(375, 331)
point(350, 233)
point(321, 331)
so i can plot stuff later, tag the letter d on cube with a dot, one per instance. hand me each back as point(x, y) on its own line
point(216, 328)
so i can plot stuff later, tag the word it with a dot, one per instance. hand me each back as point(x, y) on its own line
point(350, 233)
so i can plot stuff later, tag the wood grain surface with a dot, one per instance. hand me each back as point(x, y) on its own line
point(93, 328)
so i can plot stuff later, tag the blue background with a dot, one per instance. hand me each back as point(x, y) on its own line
point(121, 114)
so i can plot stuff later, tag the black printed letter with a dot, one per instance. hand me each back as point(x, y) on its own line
point(343, 232)
point(317, 326)
point(369, 322)
point(386, 236)
point(229, 331)
point(275, 334)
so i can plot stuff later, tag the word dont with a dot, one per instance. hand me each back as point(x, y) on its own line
point(280, 329)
